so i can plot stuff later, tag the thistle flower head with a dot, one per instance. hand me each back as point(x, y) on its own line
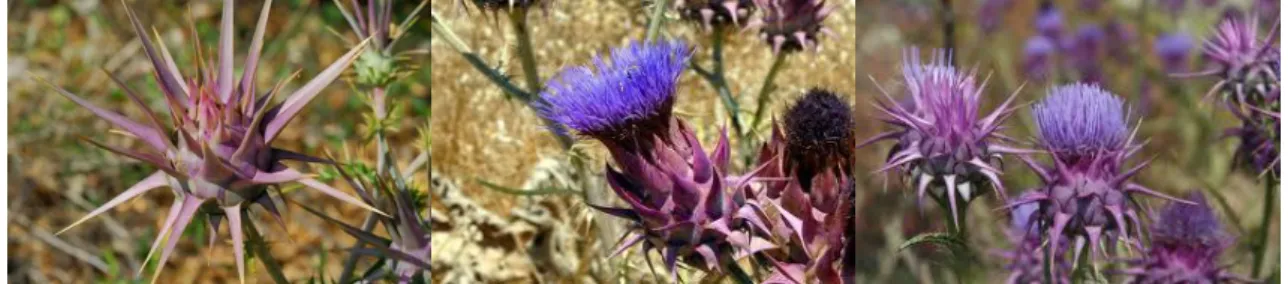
point(1084, 195)
point(1188, 240)
point(716, 13)
point(820, 134)
point(1236, 46)
point(628, 94)
point(1173, 50)
point(679, 200)
point(219, 153)
point(1050, 22)
point(943, 141)
point(991, 13)
point(1081, 120)
point(791, 25)
point(1038, 55)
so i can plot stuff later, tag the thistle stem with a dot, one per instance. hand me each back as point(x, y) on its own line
point(260, 249)
point(519, 21)
point(716, 77)
point(656, 17)
point(762, 98)
point(1263, 235)
point(496, 77)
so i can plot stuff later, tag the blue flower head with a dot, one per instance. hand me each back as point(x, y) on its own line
point(1190, 224)
point(1081, 119)
point(628, 92)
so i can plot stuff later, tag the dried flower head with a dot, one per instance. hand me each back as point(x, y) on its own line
point(791, 25)
point(942, 140)
point(1084, 195)
point(716, 13)
point(218, 154)
point(1188, 240)
point(820, 135)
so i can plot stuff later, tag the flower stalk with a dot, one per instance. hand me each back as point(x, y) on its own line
point(762, 97)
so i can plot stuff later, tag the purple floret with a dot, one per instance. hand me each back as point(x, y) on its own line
point(630, 90)
point(1081, 118)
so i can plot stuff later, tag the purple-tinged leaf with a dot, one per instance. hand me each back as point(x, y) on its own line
point(157, 179)
point(149, 135)
point(328, 190)
point(190, 205)
point(296, 101)
point(252, 59)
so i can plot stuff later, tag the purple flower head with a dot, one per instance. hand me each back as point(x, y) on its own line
point(942, 140)
point(1246, 64)
point(820, 135)
point(1084, 192)
point(791, 25)
point(1119, 38)
point(1174, 51)
point(1038, 53)
point(1258, 148)
point(1173, 6)
point(1085, 50)
point(715, 13)
point(1081, 120)
point(1050, 22)
point(1188, 240)
point(991, 14)
point(627, 95)
point(218, 155)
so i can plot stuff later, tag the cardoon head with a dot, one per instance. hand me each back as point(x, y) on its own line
point(991, 14)
point(1084, 195)
point(1050, 22)
point(1173, 51)
point(943, 143)
point(1187, 243)
point(807, 183)
point(676, 192)
point(716, 13)
point(1247, 65)
point(1038, 56)
point(218, 158)
point(1085, 52)
point(791, 25)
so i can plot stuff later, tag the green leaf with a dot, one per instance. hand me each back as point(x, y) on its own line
point(942, 239)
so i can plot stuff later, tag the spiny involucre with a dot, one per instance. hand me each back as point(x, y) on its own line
point(1248, 69)
point(791, 25)
point(374, 20)
point(716, 13)
point(942, 140)
point(1084, 194)
point(1187, 243)
point(807, 182)
point(1026, 261)
point(677, 193)
point(218, 154)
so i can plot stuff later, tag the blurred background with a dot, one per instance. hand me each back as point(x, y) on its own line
point(1118, 43)
point(55, 178)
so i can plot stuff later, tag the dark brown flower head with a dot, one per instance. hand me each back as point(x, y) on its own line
point(820, 135)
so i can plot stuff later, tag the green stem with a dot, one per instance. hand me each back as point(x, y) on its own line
point(1263, 235)
point(717, 79)
point(656, 18)
point(261, 249)
point(496, 77)
point(762, 98)
point(519, 21)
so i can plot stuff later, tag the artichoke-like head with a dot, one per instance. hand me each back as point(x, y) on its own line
point(808, 189)
point(1085, 191)
point(943, 143)
point(218, 154)
point(1026, 261)
point(791, 25)
point(1247, 66)
point(716, 13)
point(1187, 243)
point(679, 201)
